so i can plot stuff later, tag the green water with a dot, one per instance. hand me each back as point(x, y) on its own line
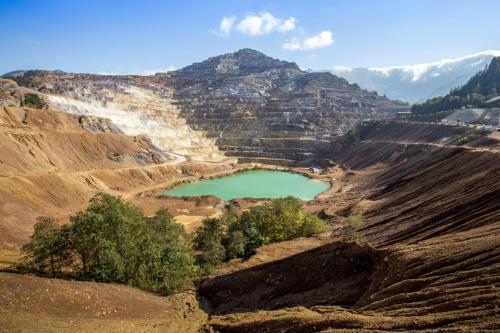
point(253, 184)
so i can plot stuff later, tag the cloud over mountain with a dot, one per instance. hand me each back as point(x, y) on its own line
point(323, 39)
point(416, 83)
point(255, 25)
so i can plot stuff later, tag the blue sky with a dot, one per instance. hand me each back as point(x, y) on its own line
point(141, 36)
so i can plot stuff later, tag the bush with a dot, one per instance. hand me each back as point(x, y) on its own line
point(209, 241)
point(362, 130)
point(112, 241)
point(238, 237)
point(355, 221)
point(312, 225)
point(34, 101)
point(465, 138)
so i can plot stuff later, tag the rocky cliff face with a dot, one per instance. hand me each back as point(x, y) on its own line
point(262, 109)
point(136, 105)
point(245, 104)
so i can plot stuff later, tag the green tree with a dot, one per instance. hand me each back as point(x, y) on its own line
point(209, 241)
point(235, 244)
point(112, 241)
point(46, 252)
point(238, 237)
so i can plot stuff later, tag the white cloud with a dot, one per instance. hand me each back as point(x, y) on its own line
point(323, 39)
point(145, 72)
point(287, 25)
point(225, 26)
point(255, 25)
point(154, 71)
point(293, 44)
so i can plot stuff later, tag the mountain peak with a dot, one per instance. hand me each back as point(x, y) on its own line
point(242, 62)
point(249, 52)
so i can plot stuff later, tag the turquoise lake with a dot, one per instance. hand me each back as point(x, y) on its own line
point(253, 184)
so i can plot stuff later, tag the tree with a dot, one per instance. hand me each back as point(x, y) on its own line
point(231, 236)
point(235, 245)
point(46, 251)
point(209, 241)
point(112, 241)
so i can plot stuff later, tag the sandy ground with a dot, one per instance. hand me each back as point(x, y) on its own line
point(33, 304)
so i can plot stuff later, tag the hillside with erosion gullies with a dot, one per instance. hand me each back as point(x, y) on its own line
point(431, 260)
point(412, 241)
point(53, 162)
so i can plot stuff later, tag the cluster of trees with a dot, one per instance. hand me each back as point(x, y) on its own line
point(480, 88)
point(364, 129)
point(232, 236)
point(112, 241)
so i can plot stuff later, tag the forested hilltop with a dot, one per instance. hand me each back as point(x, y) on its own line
point(482, 87)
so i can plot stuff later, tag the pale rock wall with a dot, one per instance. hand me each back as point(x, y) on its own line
point(137, 111)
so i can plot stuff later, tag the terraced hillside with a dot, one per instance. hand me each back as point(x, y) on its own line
point(261, 109)
point(245, 104)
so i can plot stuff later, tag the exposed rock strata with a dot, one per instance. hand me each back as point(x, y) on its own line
point(51, 163)
point(234, 102)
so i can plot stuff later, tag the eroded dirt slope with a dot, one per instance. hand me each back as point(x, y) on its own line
point(51, 163)
point(432, 217)
point(33, 304)
point(431, 221)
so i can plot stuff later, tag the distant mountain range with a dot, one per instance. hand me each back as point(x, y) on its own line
point(417, 83)
point(482, 90)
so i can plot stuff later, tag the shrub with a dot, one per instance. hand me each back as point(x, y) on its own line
point(362, 130)
point(355, 221)
point(112, 241)
point(465, 138)
point(312, 225)
point(209, 241)
point(238, 237)
point(34, 101)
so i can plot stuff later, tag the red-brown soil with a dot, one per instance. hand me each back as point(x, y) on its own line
point(33, 304)
point(50, 165)
point(432, 219)
point(428, 259)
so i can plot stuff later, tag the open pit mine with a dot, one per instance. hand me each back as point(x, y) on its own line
point(426, 257)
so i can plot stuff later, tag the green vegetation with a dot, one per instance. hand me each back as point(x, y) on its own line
point(231, 236)
point(112, 241)
point(465, 138)
point(364, 129)
point(480, 88)
point(355, 221)
point(34, 101)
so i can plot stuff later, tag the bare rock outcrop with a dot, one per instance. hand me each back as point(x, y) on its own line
point(245, 105)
